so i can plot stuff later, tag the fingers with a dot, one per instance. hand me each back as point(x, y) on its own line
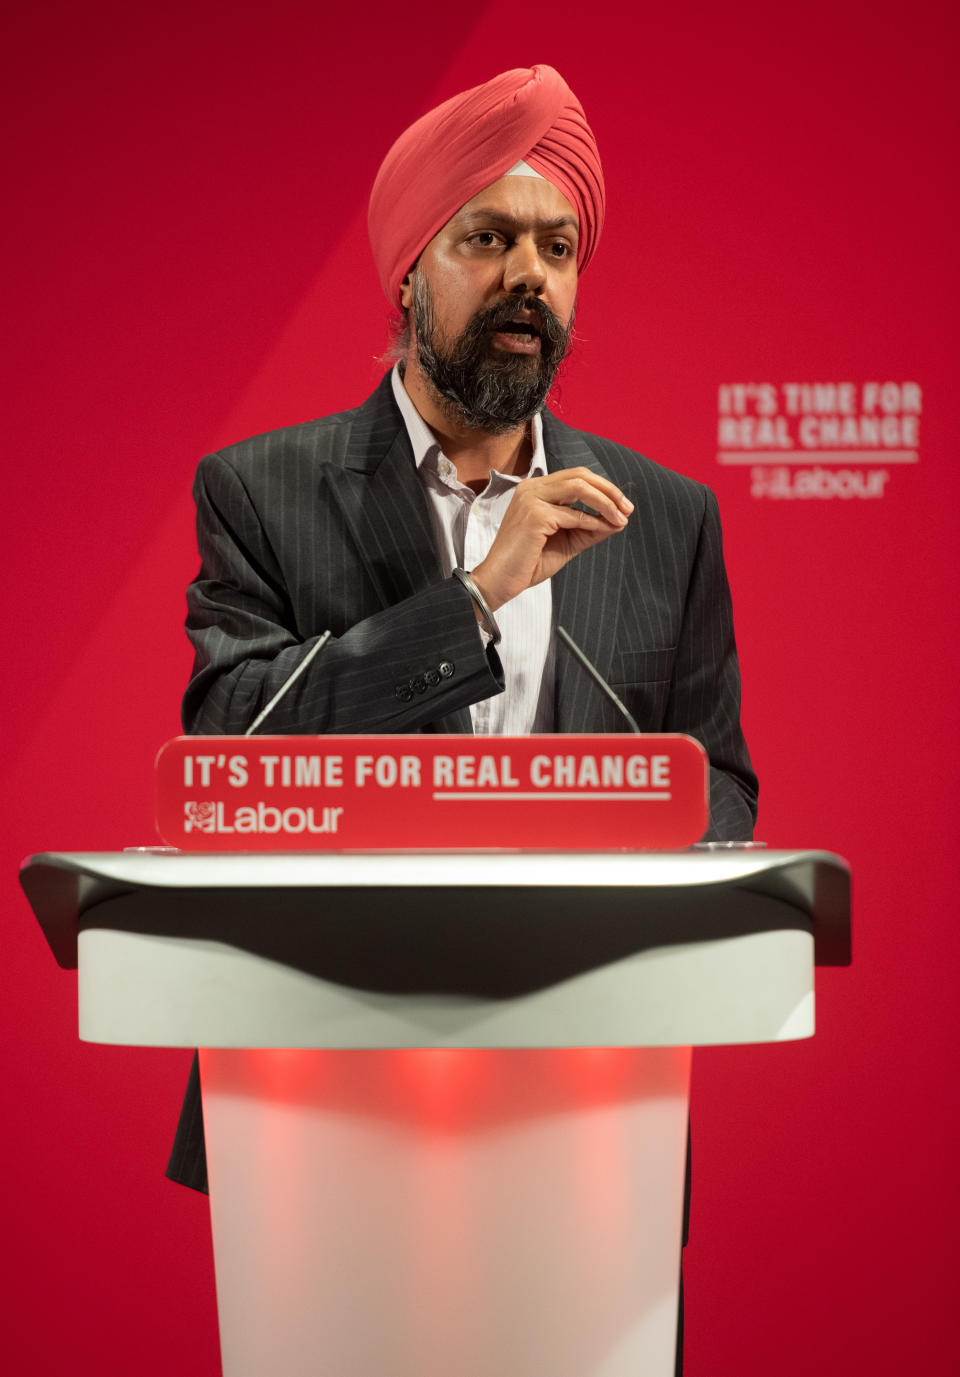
point(580, 485)
point(543, 529)
point(576, 519)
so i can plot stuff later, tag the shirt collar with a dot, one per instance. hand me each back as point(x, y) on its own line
point(424, 442)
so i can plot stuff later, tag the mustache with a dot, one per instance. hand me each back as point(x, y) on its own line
point(554, 337)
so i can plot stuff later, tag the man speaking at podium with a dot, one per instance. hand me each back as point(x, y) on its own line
point(443, 530)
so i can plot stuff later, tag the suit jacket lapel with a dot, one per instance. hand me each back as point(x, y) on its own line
point(383, 504)
point(385, 510)
point(584, 591)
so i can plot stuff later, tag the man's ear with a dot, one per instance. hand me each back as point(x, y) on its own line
point(406, 293)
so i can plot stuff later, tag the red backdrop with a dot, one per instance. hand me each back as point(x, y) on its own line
point(188, 265)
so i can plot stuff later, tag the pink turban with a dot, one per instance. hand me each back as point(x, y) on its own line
point(467, 143)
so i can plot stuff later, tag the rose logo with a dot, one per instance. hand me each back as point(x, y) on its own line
point(199, 816)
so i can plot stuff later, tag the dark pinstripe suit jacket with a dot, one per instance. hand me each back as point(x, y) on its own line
point(325, 525)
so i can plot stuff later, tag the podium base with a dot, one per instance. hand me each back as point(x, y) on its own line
point(435, 1212)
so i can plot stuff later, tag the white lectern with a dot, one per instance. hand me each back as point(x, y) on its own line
point(445, 1095)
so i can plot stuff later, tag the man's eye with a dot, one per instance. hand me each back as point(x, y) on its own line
point(485, 238)
point(559, 249)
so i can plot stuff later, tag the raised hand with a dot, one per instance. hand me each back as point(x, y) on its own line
point(542, 531)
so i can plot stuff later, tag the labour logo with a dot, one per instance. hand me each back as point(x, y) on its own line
point(199, 817)
point(819, 439)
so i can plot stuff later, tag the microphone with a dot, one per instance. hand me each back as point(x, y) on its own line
point(291, 679)
point(598, 678)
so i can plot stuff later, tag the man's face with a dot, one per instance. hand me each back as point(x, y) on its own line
point(492, 300)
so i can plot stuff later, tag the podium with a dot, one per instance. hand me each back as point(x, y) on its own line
point(445, 1094)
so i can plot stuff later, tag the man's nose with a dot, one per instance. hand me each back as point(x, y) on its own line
point(523, 268)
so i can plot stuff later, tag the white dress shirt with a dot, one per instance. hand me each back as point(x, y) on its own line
point(464, 526)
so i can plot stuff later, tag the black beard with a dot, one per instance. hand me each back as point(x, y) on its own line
point(483, 388)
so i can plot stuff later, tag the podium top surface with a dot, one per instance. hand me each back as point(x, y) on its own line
point(62, 887)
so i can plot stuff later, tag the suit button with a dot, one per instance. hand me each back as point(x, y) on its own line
point(446, 668)
point(432, 676)
point(404, 692)
point(419, 684)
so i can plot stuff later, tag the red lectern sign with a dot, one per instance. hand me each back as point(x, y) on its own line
point(343, 793)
